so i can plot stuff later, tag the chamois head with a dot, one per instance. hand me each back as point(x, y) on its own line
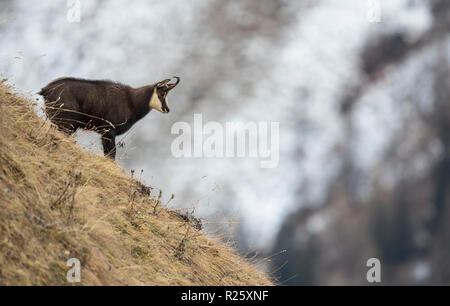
point(158, 99)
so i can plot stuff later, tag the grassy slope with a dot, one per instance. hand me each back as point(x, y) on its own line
point(58, 202)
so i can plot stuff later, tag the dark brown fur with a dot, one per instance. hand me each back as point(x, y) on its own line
point(106, 107)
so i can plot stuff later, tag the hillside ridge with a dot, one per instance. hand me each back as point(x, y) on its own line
point(58, 202)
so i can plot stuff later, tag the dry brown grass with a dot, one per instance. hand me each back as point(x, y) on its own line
point(59, 202)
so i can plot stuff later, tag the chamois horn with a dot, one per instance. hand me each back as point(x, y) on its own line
point(170, 86)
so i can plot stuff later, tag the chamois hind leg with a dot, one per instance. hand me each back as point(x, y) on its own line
point(109, 144)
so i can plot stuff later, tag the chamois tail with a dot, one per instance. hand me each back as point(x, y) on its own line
point(47, 90)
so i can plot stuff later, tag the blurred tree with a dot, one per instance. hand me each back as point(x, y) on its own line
point(404, 218)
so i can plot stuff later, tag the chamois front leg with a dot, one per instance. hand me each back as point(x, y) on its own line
point(109, 144)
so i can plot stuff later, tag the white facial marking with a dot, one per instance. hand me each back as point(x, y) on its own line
point(155, 103)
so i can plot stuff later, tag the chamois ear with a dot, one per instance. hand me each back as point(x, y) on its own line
point(162, 83)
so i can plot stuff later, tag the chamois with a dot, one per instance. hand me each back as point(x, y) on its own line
point(106, 107)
